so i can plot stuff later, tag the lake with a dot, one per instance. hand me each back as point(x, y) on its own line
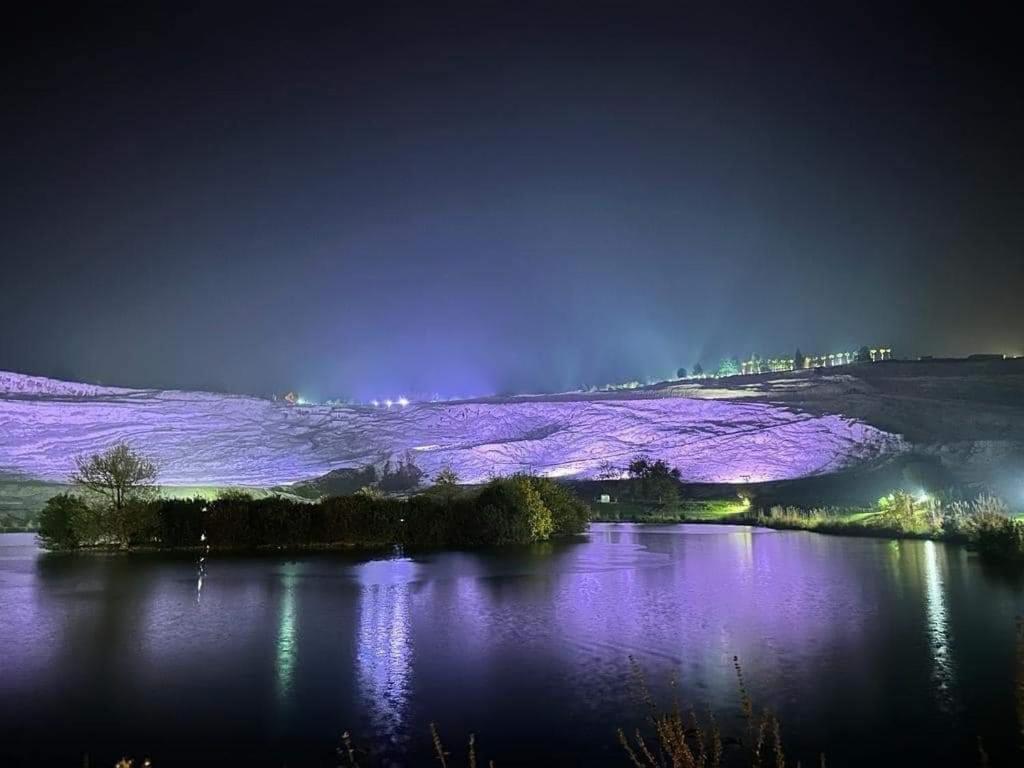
point(875, 652)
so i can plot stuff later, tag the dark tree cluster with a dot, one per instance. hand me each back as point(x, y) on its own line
point(512, 510)
point(653, 481)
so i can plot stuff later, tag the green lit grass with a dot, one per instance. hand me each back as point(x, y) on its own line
point(682, 512)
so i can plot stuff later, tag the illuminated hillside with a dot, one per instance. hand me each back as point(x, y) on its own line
point(213, 439)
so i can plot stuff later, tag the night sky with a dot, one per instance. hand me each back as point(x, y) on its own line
point(373, 200)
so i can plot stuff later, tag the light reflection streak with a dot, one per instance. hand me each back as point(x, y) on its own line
point(287, 640)
point(384, 652)
point(938, 626)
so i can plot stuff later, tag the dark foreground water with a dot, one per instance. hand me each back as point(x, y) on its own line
point(878, 653)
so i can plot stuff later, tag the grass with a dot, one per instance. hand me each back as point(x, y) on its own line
point(688, 511)
point(985, 523)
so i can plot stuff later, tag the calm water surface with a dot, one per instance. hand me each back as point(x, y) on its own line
point(869, 650)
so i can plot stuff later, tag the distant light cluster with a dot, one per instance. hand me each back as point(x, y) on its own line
point(778, 365)
point(401, 402)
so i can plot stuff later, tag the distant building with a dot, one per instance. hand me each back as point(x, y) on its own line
point(779, 364)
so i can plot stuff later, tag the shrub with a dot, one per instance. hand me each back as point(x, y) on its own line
point(569, 515)
point(511, 511)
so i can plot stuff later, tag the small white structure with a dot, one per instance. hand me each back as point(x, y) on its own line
point(604, 498)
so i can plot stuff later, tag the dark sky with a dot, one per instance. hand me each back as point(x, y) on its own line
point(376, 199)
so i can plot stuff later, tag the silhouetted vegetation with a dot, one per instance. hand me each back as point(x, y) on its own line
point(117, 484)
point(513, 510)
point(653, 481)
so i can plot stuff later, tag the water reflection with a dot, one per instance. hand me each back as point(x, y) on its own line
point(287, 644)
point(384, 652)
point(938, 626)
point(851, 641)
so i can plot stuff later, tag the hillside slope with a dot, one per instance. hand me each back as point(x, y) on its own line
point(214, 439)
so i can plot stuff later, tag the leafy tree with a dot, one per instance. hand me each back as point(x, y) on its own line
point(121, 481)
point(698, 369)
point(681, 373)
point(511, 511)
point(660, 468)
point(639, 466)
point(799, 359)
point(657, 480)
point(863, 355)
point(61, 521)
point(569, 515)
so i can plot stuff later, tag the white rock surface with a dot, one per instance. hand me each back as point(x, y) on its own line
point(202, 438)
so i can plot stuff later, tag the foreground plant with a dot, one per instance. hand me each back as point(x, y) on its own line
point(668, 739)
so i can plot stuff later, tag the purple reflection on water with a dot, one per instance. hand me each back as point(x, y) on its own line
point(856, 643)
point(384, 641)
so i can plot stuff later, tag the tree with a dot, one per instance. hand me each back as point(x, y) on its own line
point(863, 355)
point(119, 475)
point(62, 520)
point(511, 511)
point(446, 477)
point(446, 484)
point(799, 360)
point(681, 373)
point(122, 481)
point(657, 480)
point(569, 515)
point(639, 467)
point(698, 369)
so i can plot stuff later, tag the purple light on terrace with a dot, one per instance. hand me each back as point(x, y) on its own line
point(203, 438)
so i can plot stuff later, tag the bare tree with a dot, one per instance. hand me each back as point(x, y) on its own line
point(121, 478)
point(446, 484)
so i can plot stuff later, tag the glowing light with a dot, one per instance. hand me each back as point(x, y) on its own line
point(403, 402)
point(388, 403)
point(375, 403)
